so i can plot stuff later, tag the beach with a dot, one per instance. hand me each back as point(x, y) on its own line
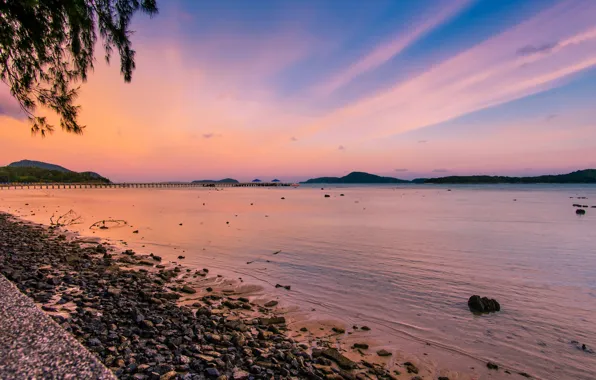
point(230, 240)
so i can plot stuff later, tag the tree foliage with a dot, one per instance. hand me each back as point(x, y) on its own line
point(47, 48)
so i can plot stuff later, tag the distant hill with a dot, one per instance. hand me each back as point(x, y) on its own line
point(225, 180)
point(580, 176)
point(38, 164)
point(356, 177)
point(26, 174)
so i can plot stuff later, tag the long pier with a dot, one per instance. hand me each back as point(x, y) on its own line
point(21, 186)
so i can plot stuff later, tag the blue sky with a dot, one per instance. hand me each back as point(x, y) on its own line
point(311, 88)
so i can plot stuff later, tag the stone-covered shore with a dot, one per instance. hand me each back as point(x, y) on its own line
point(141, 320)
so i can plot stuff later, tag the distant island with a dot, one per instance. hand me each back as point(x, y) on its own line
point(356, 177)
point(27, 171)
point(580, 176)
point(225, 180)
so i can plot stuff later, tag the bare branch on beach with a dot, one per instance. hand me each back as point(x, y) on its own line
point(107, 223)
point(68, 219)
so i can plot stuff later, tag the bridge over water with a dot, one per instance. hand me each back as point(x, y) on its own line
point(21, 186)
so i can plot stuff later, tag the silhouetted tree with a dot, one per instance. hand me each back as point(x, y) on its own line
point(46, 48)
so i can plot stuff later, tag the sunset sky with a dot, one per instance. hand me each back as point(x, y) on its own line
point(297, 89)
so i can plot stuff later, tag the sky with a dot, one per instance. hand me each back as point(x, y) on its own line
point(305, 88)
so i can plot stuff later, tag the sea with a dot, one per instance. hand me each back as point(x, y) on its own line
point(402, 260)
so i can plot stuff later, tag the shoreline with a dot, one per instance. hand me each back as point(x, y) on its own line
point(144, 319)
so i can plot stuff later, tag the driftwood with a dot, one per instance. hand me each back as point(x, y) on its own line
point(68, 219)
point(107, 223)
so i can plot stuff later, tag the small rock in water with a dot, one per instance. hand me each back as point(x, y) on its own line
point(135, 231)
point(479, 304)
point(491, 365)
point(384, 353)
point(187, 289)
point(181, 257)
point(338, 330)
point(327, 196)
point(180, 224)
point(283, 198)
point(365, 328)
point(362, 346)
point(271, 304)
point(411, 367)
point(580, 212)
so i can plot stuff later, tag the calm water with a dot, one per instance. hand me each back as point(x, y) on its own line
point(401, 260)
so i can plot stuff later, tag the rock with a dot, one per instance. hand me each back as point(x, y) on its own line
point(327, 196)
point(100, 249)
point(239, 374)
point(114, 292)
point(135, 231)
point(338, 330)
point(411, 368)
point(362, 346)
point(479, 304)
point(181, 257)
point(168, 375)
point(341, 195)
point(342, 361)
point(384, 353)
point(365, 328)
point(212, 372)
point(491, 365)
point(155, 257)
point(580, 212)
point(443, 378)
point(271, 304)
point(188, 289)
point(272, 321)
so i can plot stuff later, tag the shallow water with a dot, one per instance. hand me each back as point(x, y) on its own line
point(403, 260)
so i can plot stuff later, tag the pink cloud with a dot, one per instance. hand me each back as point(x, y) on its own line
point(488, 74)
point(385, 51)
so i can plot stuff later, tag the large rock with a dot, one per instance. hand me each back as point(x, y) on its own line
point(342, 361)
point(479, 304)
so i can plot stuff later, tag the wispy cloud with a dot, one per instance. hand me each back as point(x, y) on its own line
point(341, 147)
point(483, 76)
point(390, 48)
point(531, 49)
point(8, 105)
point(208, 135)
point(293, 138)
point(401, 170)
point(422, 141)
point(440, 170)
point(551, 117)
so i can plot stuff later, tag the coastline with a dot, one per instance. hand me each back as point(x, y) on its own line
point(147, 319)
